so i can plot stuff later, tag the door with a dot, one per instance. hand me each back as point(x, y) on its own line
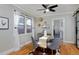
point(19, 28)
point(15, 31)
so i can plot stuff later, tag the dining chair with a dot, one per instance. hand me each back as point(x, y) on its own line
point(35, 45)
point(41, 46)
point(39, 35)
point(34, 42)
point(55, 44)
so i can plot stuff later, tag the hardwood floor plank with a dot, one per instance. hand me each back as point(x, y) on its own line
point(23, 51)
point(65, 49)
point(69, 49)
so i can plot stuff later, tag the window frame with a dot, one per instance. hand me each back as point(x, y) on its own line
point(27, 17)
point(24, 25)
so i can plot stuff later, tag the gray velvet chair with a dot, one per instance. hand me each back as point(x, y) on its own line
point(39, 35)
point(55, 44)
point(34, 42)
point(35, 45)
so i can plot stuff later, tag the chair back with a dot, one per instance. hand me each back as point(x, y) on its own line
point(55, 44)
point(42, 43)
point(34, 42)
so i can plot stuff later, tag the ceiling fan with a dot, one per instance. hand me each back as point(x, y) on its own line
point(48, 8)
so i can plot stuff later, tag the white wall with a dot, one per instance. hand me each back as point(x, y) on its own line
point(38, 29)
point(69, 34)
point(69, 23)
point(7, 41)
point(6, 36)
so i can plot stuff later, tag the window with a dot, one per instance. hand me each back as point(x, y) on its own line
point(21, 25)
point(29, 25)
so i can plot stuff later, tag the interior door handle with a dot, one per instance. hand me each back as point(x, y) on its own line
point(15, 27)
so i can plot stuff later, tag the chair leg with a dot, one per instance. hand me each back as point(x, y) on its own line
point(54, 52)
point(57, 52)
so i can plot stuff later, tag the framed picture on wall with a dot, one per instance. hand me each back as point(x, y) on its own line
point(4, 23)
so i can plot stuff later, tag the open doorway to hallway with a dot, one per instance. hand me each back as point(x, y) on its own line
point(58, 28)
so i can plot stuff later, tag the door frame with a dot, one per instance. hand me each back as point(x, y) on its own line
point(16, 38)
point(63, 26)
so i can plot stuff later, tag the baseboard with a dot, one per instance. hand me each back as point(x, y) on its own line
point(25, 43)
point(69, 42)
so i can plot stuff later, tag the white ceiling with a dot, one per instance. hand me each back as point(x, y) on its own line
point(32, 9)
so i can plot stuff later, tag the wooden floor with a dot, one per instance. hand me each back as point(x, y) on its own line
point(23, 51)
point(65, 49)
point(69, 49)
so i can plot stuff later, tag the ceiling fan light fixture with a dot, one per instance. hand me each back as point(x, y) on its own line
point(47, 10)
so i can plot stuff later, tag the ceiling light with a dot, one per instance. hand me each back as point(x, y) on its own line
point(47, 10)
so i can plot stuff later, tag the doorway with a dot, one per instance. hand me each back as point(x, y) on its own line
point(58, 28)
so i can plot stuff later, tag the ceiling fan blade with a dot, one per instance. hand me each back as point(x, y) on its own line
point(44, 6)
point(53, 6)
point(52, 10)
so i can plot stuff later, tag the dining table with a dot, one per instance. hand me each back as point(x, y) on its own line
point(42, 48)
